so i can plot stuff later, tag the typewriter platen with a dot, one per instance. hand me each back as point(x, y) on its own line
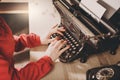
point(85, 35)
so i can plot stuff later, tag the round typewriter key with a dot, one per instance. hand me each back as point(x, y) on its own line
point(77, 53)
point(77, 45)
point(75, 42)
point(67, 56)
point(74, 48)
point(69, 49)
point(70, 56)
point(70, 36)
point(67, 33)
point(73, 52)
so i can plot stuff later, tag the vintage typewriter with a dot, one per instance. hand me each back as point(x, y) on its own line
point(110, 72)
point(85, 34)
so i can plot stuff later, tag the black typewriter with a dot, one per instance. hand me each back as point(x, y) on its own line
point(85, 35)
point(110, 72)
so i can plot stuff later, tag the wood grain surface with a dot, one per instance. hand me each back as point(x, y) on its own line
point(75, 70)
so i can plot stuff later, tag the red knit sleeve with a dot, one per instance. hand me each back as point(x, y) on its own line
point(46, 64)
point(4, 69)
point(24, 40)
point(37, 70)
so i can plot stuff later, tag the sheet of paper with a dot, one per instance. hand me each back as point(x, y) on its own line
point(93, 8)
point(113, 3)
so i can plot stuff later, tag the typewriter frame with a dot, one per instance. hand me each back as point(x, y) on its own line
point(90, 42)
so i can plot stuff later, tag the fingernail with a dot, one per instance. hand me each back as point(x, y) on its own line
point(62, 34)
point(57, 38)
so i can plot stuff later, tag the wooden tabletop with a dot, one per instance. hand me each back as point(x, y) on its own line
point(74, 70)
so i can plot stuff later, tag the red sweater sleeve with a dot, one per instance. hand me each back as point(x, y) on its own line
point(24, 40)
point(4, 69)
point(37, 70)
point(46, 64)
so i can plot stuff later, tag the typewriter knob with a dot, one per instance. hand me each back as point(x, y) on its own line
point(84, 58)
point(113, 52)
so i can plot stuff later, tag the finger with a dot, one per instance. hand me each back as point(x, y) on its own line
point(64, 49)
point(53, 43)
point(61, 29)
point(58, 43)
point(55, 26)
point(59, 33)
point(53, 39)
point(63, 44)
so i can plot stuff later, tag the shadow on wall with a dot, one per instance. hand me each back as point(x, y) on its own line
point(19, 23)
point(22, 56)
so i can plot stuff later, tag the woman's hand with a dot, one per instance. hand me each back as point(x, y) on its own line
point(46, 39)
point(55, 49)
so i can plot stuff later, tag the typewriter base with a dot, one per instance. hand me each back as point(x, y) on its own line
point(88, 50)
point(107, 47)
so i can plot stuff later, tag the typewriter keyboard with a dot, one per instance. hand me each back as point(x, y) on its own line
point(73, 52)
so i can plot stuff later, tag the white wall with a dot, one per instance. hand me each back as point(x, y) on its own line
point(42, 16)
point(14, 0)
point(93, 8)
